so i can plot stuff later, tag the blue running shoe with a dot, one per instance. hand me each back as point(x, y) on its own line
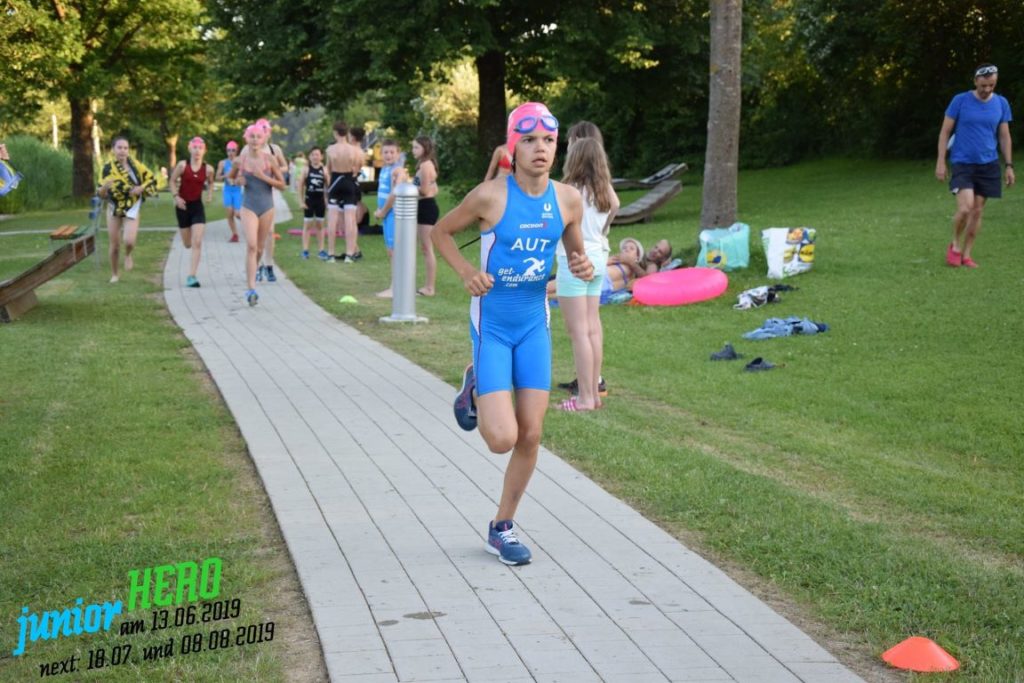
point(465, 408)
point(191, 281)
point(259, 273)
point(502, 541)
point(270, 274)
point(252, 297)
point(322, 255)
point(305, 254)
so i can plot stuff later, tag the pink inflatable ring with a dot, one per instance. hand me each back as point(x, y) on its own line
point(680, 286)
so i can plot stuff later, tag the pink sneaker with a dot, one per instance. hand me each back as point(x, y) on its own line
point(234, 238)
point(953, 258)
point(969, 262)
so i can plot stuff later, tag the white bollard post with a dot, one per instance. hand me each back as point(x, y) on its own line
point(403, 264)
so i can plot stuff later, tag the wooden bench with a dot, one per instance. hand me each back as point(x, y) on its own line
point(69, 232)
point(18, 294)
point(643, 208)
point(670, 172)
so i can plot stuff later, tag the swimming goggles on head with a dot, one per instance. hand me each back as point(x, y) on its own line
point(528, 124)
point(986, 71)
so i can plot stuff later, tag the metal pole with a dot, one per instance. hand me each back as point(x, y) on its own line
point(403, 264)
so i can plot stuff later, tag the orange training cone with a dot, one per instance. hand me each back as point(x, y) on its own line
point(920, 654)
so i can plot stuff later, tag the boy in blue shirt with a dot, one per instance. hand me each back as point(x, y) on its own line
point(391, 174)
point(979, 121)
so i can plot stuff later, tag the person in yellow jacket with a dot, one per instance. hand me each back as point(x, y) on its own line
point(124, 183)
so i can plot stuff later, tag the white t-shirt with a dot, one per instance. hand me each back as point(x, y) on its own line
point(595, 237)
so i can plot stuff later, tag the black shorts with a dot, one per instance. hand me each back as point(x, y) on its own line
point(315, 206)
point(344, 191)
point(985, 179)
point(192, 214)
point(427, 212)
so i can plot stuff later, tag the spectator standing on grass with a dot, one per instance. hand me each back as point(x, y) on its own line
point(344, 162)
point(391, 174)
point(586, 169)
point(124, 183)
point(975, 129)
point(427, 211)
point(313, 201)
point(507, 386)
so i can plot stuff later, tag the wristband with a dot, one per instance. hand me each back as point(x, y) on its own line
point(1008, 165)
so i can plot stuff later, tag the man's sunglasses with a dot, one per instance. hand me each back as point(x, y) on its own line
point(986, 71)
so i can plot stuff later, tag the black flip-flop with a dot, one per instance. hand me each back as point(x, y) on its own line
point(758, 364)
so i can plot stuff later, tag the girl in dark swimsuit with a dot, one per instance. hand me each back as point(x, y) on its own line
point(258, 172)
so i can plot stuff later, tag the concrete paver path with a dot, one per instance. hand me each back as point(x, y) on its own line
point(384, 502)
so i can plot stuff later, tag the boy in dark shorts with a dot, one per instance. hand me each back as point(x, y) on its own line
point(313, 200)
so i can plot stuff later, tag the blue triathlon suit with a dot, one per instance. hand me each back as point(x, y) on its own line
point(383, 192)
point(232, 193)
point(510, 325)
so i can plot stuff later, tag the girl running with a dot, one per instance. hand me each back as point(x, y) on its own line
point(521, 220)
point(232, 192)
point(188, 180)
point(258, 172)
point(124, 182)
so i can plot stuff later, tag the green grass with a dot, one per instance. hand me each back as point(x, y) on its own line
point(116, 454)
point(874, 481)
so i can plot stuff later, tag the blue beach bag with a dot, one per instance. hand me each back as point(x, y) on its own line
point(726, 249)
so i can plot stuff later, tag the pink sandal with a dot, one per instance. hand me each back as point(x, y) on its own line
point(570, 405)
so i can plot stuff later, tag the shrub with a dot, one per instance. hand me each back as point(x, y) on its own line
point(47, 176)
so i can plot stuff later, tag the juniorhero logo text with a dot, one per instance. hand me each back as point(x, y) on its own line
point(163, 586)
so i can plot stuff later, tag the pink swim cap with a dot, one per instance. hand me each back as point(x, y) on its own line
point(525, 119)
point(197, 141)
point(232, 144)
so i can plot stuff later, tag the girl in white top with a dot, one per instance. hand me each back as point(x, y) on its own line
point(586, 168)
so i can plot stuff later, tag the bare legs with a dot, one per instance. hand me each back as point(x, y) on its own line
point(256, 229)
point(192, 238)
point(518, 428)
point(351, 231)
point(429, 260)
point(967, 221)
point(390, 291)
point(334, 219)
point(230, 213)
point(121, 228)
point(583, 323)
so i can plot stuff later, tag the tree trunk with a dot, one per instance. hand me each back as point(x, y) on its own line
point(490, 127)
point(721, 157)
point(83, 181)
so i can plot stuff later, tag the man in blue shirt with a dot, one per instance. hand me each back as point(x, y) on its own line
point(979, 122)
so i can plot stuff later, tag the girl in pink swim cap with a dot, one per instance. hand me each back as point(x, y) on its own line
point(232, 191)
point(505, 390)
point(257, 170)
point(532, 118)
point(188, 180)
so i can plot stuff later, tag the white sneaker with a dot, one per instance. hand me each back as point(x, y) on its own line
point(114, 280)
